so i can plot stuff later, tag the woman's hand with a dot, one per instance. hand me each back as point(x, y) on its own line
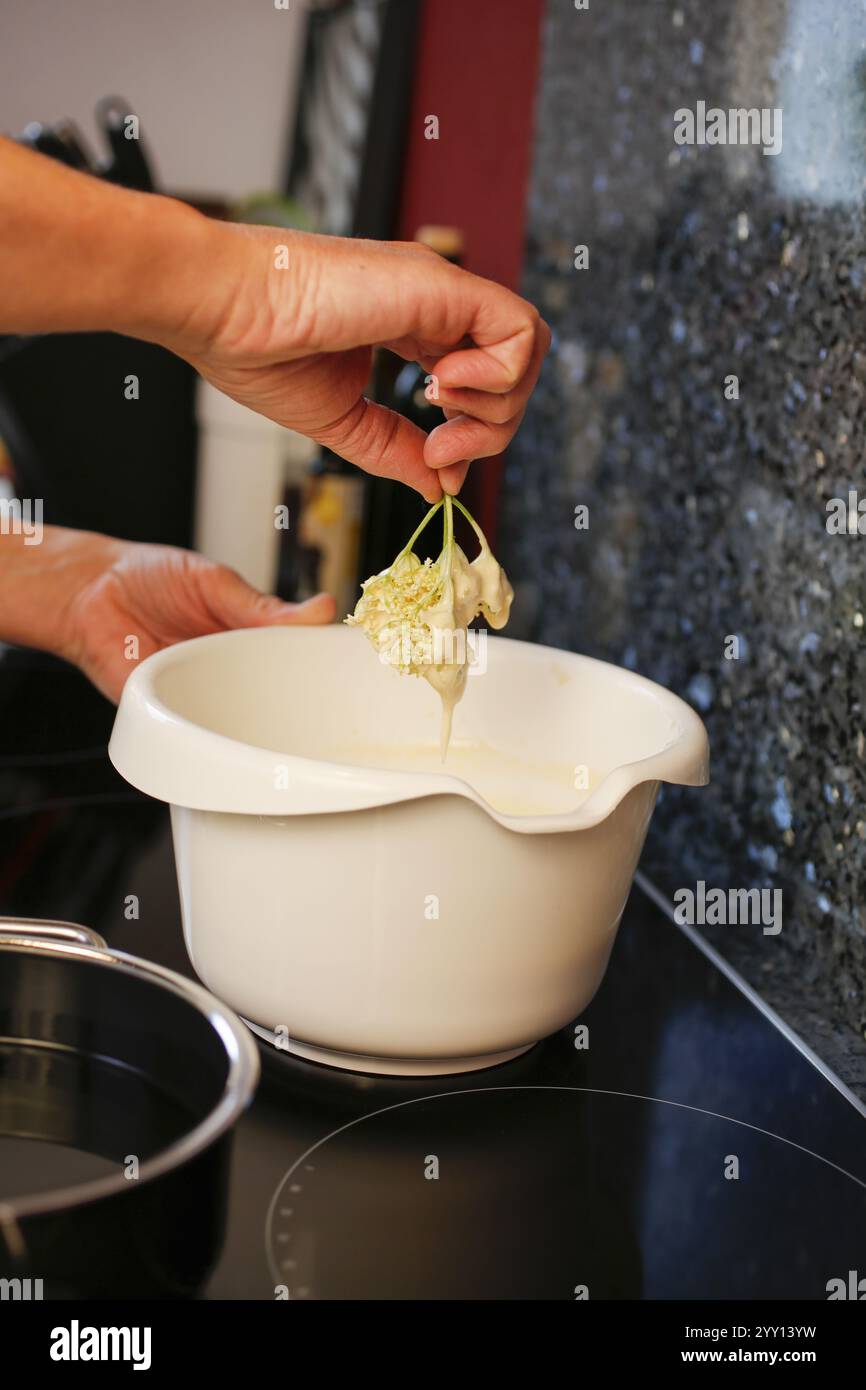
point(106, 604)
point(285, 323)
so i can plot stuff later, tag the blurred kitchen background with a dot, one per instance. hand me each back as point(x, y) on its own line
point(706, 511)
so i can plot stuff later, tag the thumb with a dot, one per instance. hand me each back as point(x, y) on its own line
point(235, 603)
point(321, 608)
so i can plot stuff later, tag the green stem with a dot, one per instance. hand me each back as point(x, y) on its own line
point(449, 528)
point(429, 517)
point(472, 522)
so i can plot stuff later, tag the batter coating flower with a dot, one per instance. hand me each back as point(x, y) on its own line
point(417, 614)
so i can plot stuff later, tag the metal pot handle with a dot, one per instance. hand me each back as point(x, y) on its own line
point(16, 931)
point(39, 929)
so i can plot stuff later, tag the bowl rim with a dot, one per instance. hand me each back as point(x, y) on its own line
point(321, 786)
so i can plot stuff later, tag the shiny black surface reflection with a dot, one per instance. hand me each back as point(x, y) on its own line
point(530, 1193)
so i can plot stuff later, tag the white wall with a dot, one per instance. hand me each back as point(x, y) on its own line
point(212, 81)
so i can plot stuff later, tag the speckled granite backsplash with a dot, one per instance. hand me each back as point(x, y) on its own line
point(708, 511)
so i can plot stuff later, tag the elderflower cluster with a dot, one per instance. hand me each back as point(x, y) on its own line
point(417, 614)
point(392, 610)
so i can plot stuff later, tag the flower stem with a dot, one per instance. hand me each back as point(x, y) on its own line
point(472, 522)
point(449, 527)
point(429, 517)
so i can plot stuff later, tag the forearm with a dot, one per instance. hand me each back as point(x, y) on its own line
point(39, 583)
point(78, 254)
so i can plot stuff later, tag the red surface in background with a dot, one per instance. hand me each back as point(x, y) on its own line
point(476, 70)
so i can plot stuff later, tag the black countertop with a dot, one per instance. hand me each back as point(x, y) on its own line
point(684, 1146)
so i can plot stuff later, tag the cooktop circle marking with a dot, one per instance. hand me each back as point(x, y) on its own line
point(492, 1090)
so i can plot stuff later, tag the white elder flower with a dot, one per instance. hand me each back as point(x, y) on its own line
point(417, 614)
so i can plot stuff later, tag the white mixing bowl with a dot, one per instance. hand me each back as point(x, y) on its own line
point(392, 921)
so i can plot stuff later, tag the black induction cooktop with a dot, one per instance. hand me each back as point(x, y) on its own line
point(674, 1143)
